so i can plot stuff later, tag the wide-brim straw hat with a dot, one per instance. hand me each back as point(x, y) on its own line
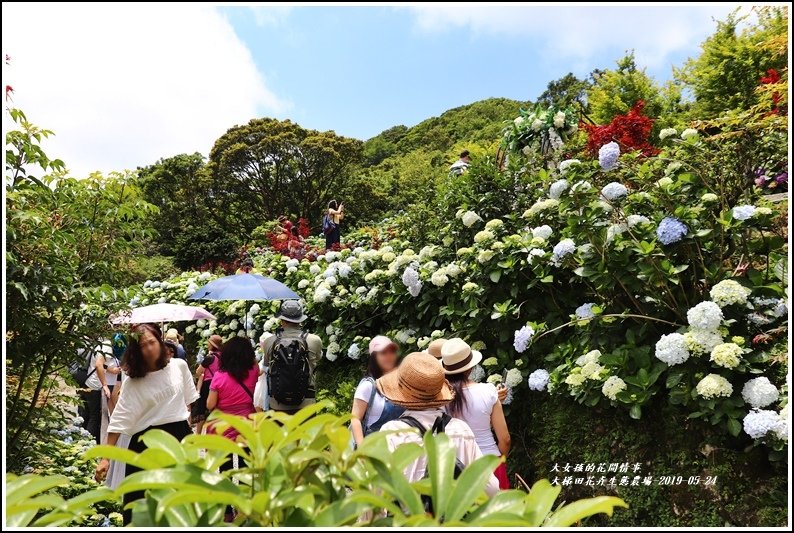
point(434, 348)
point(458, 357)
point(418, 383)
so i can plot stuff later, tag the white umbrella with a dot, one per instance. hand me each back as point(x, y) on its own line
point(160, 313)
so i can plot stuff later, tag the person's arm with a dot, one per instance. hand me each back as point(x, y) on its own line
point(100, 373)
point(334, 212)
point(199, 377)
point(212, 400)
point(114, 398)
point(102, 467)
point(501, 392)
point(356, 423)
point(499, 425)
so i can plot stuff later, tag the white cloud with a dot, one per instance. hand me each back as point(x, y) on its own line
point(581, 33)
point(273, 15)
point(123, 85)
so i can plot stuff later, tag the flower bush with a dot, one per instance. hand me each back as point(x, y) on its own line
point(646, 263)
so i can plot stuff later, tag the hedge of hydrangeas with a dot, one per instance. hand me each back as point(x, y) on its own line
point(617, 280)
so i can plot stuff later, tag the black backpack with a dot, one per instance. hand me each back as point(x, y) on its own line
point(80, 373)
point(290, 374)
point(439, 426)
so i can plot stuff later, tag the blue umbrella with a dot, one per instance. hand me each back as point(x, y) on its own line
point(244, 287)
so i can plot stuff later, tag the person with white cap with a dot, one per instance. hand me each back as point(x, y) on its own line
point(434, 349)
point(419, 385)
point(477, 404)
point(370, 409)
point(292, 355)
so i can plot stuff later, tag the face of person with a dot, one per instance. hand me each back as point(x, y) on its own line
point(150, 348)
point(387, 359)
point(169, 351)
point(466, 158)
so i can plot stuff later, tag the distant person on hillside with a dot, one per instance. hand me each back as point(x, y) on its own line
point(461, 165)
point(245, 267)
point(333, 217)
point(172, 335)
point(292, 355)
point(296, 243)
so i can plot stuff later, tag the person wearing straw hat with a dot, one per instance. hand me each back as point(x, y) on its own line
point(420, 386)
point(434, 349)
point(172, 335)
point(477, 404)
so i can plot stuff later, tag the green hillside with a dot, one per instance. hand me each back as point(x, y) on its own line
point(401, 164)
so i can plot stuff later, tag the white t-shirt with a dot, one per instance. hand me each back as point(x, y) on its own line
point(110, 361)
point(480, 401)
point(158, 398)
point(363, 393)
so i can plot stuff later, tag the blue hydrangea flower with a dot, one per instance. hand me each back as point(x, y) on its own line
point(671, 230)
point(585, 311)
point(538, 379)
point(608, 155)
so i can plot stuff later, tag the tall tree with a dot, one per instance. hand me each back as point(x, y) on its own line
point(566, 91)
point(726, 75)
point(270, 167)
point(176, 185)
point(615, 91)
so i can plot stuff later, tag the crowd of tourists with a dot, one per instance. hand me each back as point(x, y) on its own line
point(143, 382)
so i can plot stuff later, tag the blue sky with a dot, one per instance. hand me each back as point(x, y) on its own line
point(123, 85)
point(359, 70)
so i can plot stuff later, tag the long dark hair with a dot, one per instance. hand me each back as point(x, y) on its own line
point(458, 382)
point(333, 204)
point(237, 358)
point(134, 364)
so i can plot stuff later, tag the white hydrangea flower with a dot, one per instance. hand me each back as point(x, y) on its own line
point(518, 121)
point(614, 191)
point(667, 132)
point(592, 370)
point(439, 278)
point(785, 419)
point(354, 352)
point(469, 287)
point(743, 212)
point(542, 232)
point(201, 323)
point(758, 423)
point(322, 293)
point(536, 124)
point(470, 218)
point(672, 349)
point(494, 224)
point(559, 119)
point(633, 220)
point(614, 230)
point(688, 133)
point(562, 249)
point(729, 292)
point(494, 379)
point(314, 269)
point(557, 188)
point(705, 315)
point(700, 342)
point(484, 236)
point(302, 284)
point(714, 386)
point(484, 256)
point(536, 252)
point(709, 197)
point(538, 380)
point(593, 356)
point(453, 270)
point(513, 377)
point(727, 355)
point(574, 380)
point(539, 206)
point(292, 263)
point(760, 392)
point(567, 164)
point(612, 387)
point(414, 290)
point(581, 186)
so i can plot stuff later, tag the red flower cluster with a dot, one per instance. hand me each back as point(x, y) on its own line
point(631, 131)
point(772, 76)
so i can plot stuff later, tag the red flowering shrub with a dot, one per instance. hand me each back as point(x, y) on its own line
point(631, 131)
point(772, 77)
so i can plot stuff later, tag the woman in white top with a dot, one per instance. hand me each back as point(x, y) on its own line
point(156, 395)
point(477, 404)
point(370, 409)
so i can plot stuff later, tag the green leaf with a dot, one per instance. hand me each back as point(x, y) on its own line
point(29, 485)
point(734, 427)
point(469, 486)
point(573, 512)
point(495, 275)
point(540, 500)
point(440, 467)
point(635, 412)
